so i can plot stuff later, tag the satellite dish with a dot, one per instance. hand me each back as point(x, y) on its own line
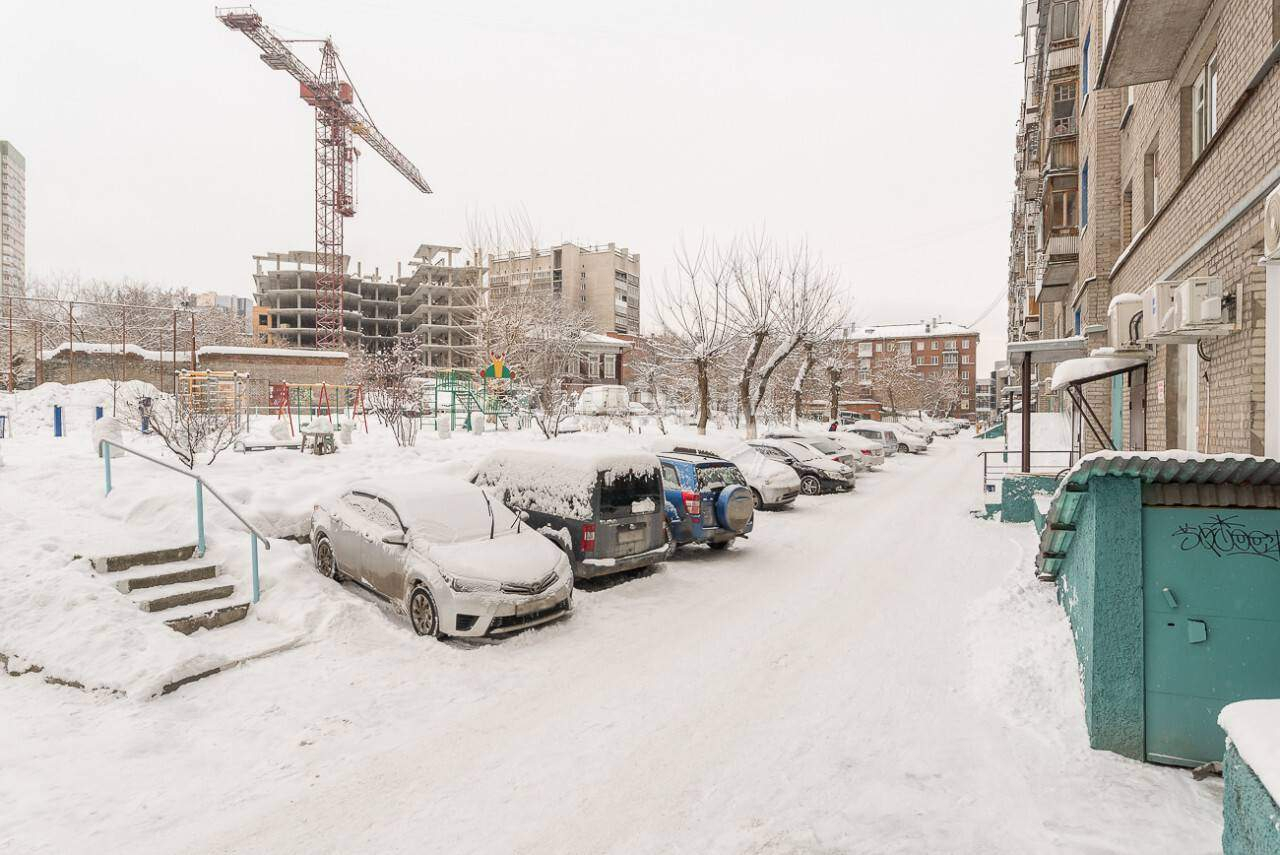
point(1271, 225)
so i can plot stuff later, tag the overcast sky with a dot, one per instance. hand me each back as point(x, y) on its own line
point(159, 147)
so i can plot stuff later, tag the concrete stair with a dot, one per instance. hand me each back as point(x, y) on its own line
point(186, 592)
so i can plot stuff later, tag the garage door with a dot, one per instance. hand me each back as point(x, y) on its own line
point(1211, 609)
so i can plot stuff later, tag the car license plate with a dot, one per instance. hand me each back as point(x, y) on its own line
point(631, 540)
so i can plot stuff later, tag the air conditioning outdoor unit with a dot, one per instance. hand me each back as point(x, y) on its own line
point(1199, 301)
point(1271, 225)
point(1159, 310)
point(1120, 315)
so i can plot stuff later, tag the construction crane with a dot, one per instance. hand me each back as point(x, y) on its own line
point(337, 117)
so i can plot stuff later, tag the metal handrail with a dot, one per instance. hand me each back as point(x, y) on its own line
point(990, 471)
point(104, 447)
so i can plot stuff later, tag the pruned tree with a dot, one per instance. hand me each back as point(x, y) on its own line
point(189, 432)
point(940, 392)
point(894, 377)
point(833, 364)
point(693, 311)
point(390, 390)
point(654, 372)
point(787, 298)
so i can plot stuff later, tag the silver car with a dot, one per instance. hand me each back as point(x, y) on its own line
point(441, 550)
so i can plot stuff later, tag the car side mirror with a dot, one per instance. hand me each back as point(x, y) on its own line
point(395, 538)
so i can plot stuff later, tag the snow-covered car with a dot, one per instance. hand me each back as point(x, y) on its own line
point(876, 432)
point(439, 549)
point(942, 427)
point(818, 473)
point(773, 483)
point(605, 507)
point(908, 440)
point(636, 408)
point(918, 427)
point(603, 401)
point(847, 448)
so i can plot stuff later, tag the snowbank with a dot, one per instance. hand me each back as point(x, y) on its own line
point(1254, 729)
point(30, 412)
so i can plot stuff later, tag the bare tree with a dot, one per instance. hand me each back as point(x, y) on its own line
point(786, 298)
point(895, 377)
point(833, 364)
point(940, 392)
point(655, 372)
point(188, 431)
point(389, 389)
point(694, 315)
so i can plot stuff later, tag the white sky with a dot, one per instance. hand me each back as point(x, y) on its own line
point(159, 147)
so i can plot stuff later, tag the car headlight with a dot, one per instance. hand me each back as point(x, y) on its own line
point(467, 585)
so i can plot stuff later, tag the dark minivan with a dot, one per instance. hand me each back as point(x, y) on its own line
point(604, 507)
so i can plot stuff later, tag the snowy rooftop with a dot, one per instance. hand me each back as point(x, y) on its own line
point(924, 329)
point(183, 355)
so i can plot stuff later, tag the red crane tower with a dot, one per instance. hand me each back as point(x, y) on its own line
point(337, 117)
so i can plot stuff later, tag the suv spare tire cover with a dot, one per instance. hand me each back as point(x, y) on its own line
point(735, 507)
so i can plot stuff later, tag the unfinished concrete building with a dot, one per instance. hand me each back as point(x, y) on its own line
point(285, 286)
point(437, 307)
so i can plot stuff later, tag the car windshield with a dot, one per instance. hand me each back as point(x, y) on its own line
point(714, 476)
point(464, 518)
point(620, 490)
point(827, 446)
point(800, 451)
point(891, 436)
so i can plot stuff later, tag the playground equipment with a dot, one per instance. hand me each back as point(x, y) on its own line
point(303, 402)
point(458, 395)
point(214, 392)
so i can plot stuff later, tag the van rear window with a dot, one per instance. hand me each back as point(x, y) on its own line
point(620, 490)
point(716, 477)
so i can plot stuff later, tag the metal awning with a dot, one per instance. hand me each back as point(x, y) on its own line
point(1077, 372)
point(1146, 39)
point(1048, 351)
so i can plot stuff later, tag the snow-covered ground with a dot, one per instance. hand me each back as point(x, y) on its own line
point(870, 672)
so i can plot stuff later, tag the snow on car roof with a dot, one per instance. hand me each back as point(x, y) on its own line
point(560, 482)
point(441, 508)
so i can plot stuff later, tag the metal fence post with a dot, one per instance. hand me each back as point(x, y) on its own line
point(254, 552)
point(105, 450)
point(199, 518)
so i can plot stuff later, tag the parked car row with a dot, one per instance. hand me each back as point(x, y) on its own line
point(500, 551)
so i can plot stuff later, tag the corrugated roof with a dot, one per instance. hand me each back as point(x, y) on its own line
point(1157, 467)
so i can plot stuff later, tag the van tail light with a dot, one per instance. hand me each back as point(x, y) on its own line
point(589, 537)
point(693, 503)
point(836, 458)
point(866, 452)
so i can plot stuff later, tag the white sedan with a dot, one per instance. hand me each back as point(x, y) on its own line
point(442, 551)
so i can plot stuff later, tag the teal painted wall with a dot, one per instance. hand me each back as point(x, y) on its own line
point(1250, 816)
point(1100, 588)
point(1017, 495)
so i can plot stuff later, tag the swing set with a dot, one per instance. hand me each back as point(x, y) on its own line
point(307, 401)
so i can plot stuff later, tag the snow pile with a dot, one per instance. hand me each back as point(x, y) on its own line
point(1076, 370)
point(1254, 729)
point(31, 412)
point(560, 482)
point(1050, 432)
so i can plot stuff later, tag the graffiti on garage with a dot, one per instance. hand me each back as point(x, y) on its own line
point(1226, 538)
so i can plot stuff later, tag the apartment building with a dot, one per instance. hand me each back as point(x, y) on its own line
point(936, 348)
point(13, 219)
point(1157, 152)
point(605, 280)
point(235, 306)
point(438, 307)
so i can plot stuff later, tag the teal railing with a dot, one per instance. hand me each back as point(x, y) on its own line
point(201, 486)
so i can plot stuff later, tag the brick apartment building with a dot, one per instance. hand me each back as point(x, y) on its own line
point(605, 280)
point(935, 347)
point(1147, 146)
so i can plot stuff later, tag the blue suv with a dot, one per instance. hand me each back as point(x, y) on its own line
point(707, 500)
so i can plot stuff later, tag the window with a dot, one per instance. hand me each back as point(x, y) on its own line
point(965, 344)
point(1128, 106)
point(935, 345)
point(1084, 195)
point(964, 403)
point(1150, 183)
point(1062, 208)
point(593, 367)
point(864, 377)
point(879, 347)
point(1064, 20)
point(864, 365)
point(610, 367)
point(864, 348)
point(1204, 107)
point(964, 375)
point(1064, 108)
point(964, 360)
point(904, 347)
point(1126, 215)
point(919, 345)
point(919, 360)
point(1084, 66)
point(933, 360)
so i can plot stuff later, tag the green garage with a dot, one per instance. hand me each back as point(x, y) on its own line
point(1169, 570)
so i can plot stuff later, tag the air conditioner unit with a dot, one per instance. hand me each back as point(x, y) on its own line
point(1120, 315)
point(1271, 225)
point(1199, 301)
point(1159, 310)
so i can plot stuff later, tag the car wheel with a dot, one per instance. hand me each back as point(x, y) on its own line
point(757, 499)
point(326, 564)
point(903, 449)
point(422, 613)
point(810, 485)
point(720, 545)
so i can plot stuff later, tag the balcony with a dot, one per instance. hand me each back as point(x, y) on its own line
point(1056, 268)
point(1063, 126)
point(1146, 39)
